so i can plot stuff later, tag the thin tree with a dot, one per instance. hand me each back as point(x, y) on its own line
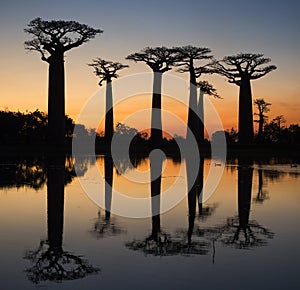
point(240, 69)
point(205, 89)
point(187, 56)
point(106, 71)
point(279, 121)
point(160, 60)
point(262, 107)
point(52, 39)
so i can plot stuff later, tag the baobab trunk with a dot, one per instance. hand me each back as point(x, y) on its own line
point(201, 116)
point(56, 100)
point(245, 113)
point(109, 117)
point(55, 201)
point(156, 122)
point(193, 119)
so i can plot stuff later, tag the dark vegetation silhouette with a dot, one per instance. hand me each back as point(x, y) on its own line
point(106, 71)
point(52, 39)
point(187, 56)
point(240, 69)
point(50, 262)
point(160, 60)
point(28, 128)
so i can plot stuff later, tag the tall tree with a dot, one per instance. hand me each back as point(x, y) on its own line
point(262, 107)
point(52, 39)
point(160, 60)
point(205, 89)
point(106, 71)
point(187, 55)
point(240, 69)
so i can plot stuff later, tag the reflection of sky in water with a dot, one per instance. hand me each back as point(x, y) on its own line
point(23, 223)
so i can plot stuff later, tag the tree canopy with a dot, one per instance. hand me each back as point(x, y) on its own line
point(188, 54)
point(159, 59)
point(50, 36)
point(243, 65)
point(208, 89)
point(106, 70)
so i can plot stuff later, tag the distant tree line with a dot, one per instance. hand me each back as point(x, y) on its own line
point(31, 128)
point(17, 128)
point(274, 133)
point(269, 132)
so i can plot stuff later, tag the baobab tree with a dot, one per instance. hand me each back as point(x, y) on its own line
point(106, 71)
point(262, 107)
point(205, 89)
point(240, 69)
point(187, 55)
point(160, 60)
point(52, 39)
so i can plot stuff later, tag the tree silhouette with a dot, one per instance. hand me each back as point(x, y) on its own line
point(106, 71)
point(240, 69)
point(50, 262)
point(279, 121)
point(52, 39)
point(262, 107)
point(205, 89)
point(275, 132)
point(160, 60)
point(187, 55)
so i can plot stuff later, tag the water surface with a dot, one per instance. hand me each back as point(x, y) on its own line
point(53, 236)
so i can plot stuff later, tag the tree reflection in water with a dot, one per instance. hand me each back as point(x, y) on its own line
point(240, 232)
point(160, 243)
point(50, 262)
point(104, 225)
point(262, 193)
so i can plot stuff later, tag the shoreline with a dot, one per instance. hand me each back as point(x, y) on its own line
point(253, 150)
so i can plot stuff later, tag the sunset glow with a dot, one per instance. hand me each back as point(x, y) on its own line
point(24, 77)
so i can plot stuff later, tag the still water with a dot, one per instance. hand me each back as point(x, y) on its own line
point(54, 236)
